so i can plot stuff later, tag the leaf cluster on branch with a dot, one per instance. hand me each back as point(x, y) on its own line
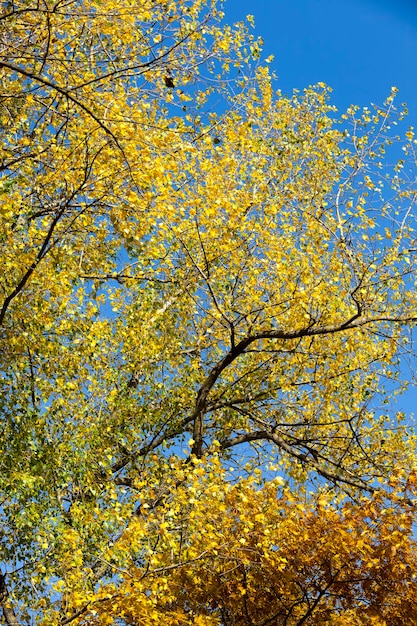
point(207, 304)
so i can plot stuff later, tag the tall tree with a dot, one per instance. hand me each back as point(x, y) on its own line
point(194, 266)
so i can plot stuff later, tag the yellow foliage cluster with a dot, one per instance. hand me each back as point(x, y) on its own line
point(199, 275)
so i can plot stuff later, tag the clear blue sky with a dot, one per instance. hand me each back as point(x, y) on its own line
point(360, 48)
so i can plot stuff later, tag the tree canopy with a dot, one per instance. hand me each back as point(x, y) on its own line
point(207, 303)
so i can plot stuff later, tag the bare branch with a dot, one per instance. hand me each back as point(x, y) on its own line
point(265, 435)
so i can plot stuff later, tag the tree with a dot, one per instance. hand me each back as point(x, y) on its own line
point(265, 556)
point(194, 268)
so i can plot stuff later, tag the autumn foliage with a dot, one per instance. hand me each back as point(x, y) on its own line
point(207, 304)
point(264, 556)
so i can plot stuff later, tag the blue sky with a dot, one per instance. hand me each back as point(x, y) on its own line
point(360, 48)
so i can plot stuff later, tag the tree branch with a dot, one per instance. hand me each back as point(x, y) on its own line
point(310, 331)
point(266, 435)
point(8, 613)
point(22, 282)
point(63, 91)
